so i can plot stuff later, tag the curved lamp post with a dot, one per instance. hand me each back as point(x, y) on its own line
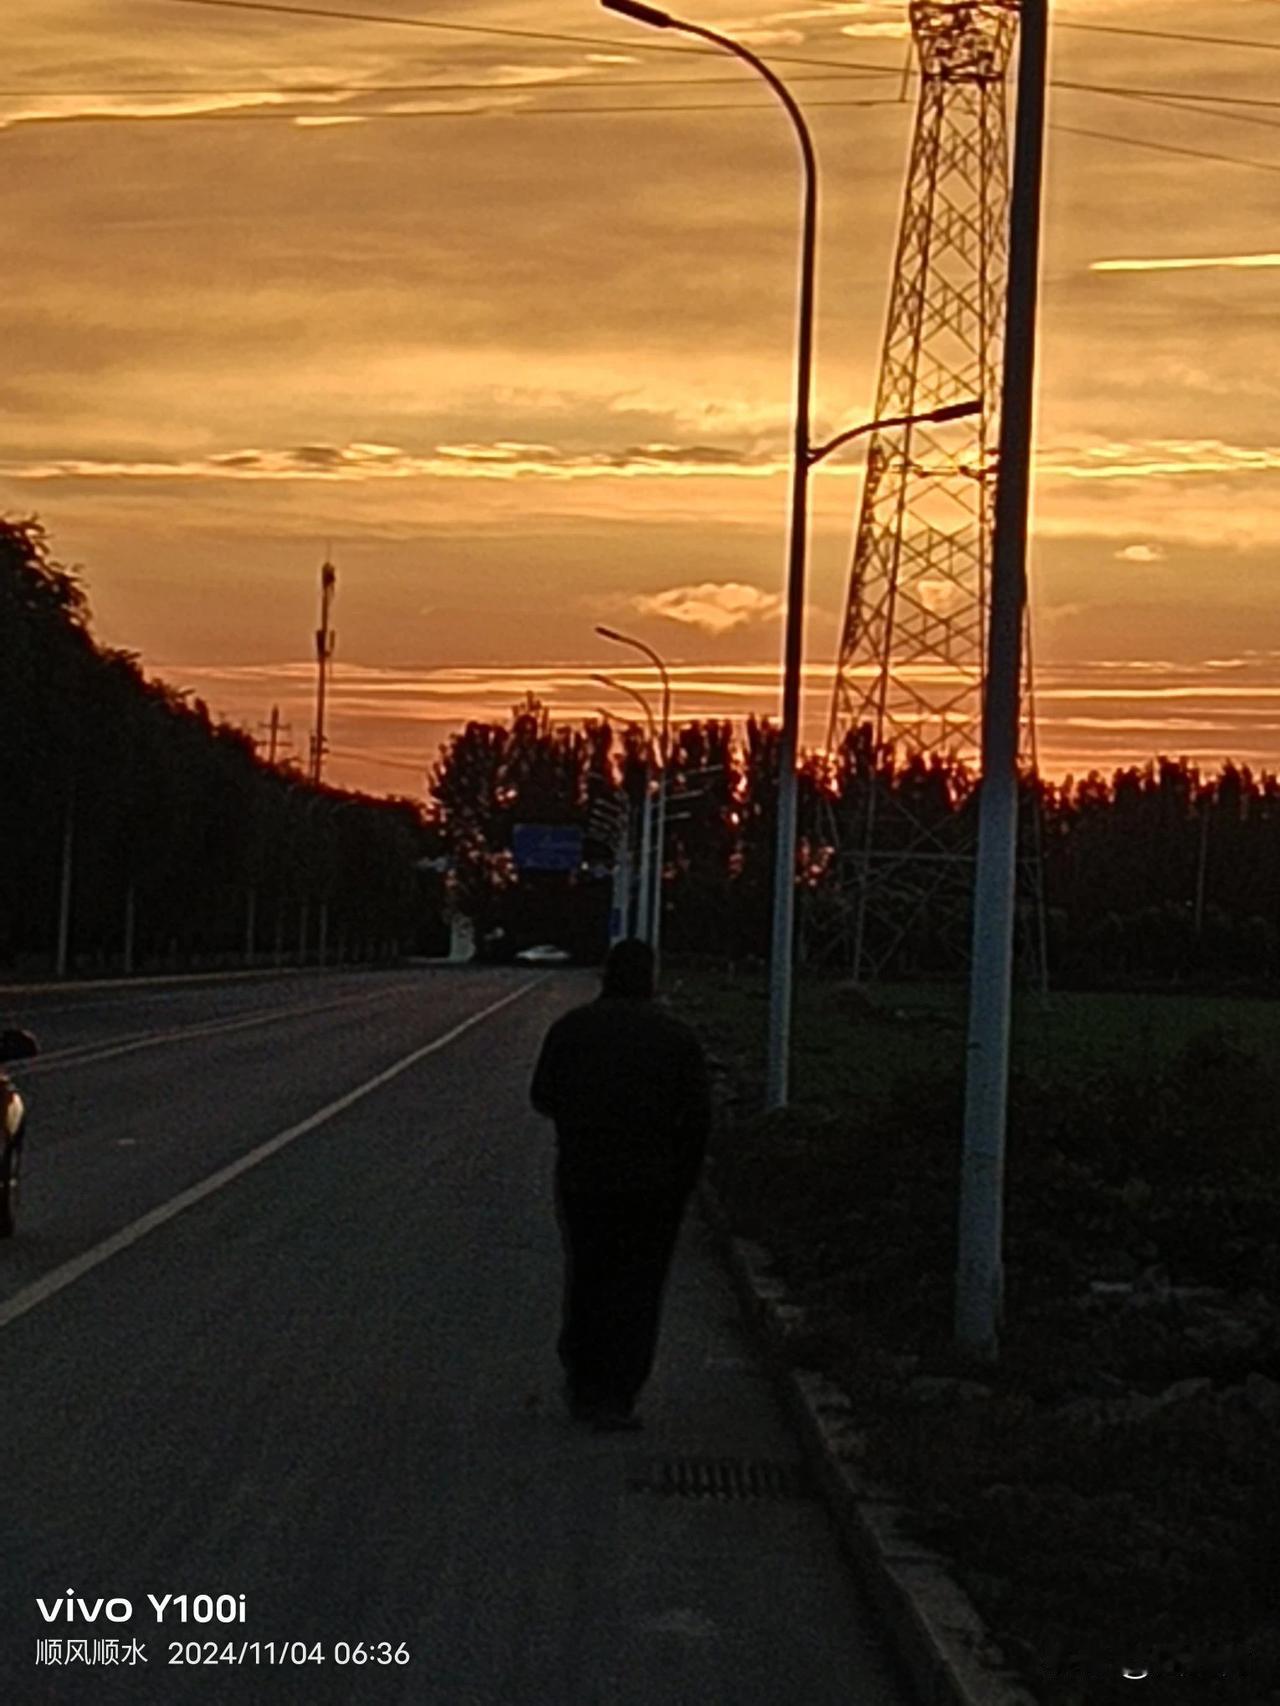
point(655, 905)
point(643, 928)
point(620, 909)
point(804, 457)
point(784, 899)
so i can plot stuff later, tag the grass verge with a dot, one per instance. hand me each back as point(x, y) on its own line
point(1109, 1492)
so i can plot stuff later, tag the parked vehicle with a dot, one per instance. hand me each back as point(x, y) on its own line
point(14, 1045)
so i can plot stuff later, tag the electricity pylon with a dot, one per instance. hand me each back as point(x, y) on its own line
point(908, 688)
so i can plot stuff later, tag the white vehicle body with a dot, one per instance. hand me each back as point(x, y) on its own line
point(545, 954)
point(13, 1109)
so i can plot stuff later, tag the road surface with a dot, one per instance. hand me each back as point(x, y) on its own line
point(277, 1326)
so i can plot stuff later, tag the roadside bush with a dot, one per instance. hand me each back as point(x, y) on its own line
point(1109, 1492)
point(1210, 1111)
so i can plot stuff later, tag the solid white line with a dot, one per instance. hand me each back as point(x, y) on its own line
point(60, 1278)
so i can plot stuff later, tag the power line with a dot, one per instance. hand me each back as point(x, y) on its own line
point(1166, 147)
point(1179, 106)
point(1178, 99)
point(345, 16)
point(1183, 101)
point(371, 757)
point(1168, 35)
point(1124, 90)
point(309, 91)
point(523, 114)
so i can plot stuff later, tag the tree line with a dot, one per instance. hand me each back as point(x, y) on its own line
point(1155, 874)
point(140, 832)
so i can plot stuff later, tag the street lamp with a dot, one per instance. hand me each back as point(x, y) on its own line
point(804, 457)
point(655, 909)
point(785, 842)
point(646, 818)
point(947, 412)
point(620, 908)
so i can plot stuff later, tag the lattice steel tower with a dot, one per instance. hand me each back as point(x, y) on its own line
point(910, 669)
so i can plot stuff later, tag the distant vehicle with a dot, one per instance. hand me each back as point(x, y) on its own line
point(14, 1045)
point(545, 954)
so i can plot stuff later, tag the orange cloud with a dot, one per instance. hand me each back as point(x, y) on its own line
point(500, 460)
point(1185, 263)
point(713, 606)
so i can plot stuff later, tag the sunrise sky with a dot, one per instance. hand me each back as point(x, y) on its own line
point(503, 321)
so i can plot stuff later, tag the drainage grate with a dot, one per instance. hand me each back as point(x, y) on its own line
point(720, 1478)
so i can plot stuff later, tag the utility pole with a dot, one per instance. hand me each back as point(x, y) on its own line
point(645, 893)
point(274, 730)
point(1202, 863)
point(619, 915)
point(129, 915)
point(250, 924)
point(324, 656)
point(980, 1274)
point(609, 824)
point(64, 897)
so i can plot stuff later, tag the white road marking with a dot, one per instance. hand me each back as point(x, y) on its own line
point(89, 1054)
point(59, 1278)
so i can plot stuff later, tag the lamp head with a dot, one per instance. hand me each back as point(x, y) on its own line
point(639, 13)
point(956, 411)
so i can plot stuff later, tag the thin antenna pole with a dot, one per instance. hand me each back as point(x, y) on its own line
point(324, 656)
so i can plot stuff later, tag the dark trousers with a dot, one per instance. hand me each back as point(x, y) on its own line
point(617, 1247)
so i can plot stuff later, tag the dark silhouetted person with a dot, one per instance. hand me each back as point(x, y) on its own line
point(626, 1084)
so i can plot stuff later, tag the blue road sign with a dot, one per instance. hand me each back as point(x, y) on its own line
point(547, 846)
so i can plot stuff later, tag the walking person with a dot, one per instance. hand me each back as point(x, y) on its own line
point(626, 1084)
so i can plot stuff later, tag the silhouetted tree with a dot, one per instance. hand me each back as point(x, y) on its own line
point(176, 824)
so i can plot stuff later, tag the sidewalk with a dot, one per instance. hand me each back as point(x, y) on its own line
point(736, 1600)
point(739, 1598)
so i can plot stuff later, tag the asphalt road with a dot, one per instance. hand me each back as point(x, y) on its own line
point(278, 1323)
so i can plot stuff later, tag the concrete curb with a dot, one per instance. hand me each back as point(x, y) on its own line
point(940, 1640)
